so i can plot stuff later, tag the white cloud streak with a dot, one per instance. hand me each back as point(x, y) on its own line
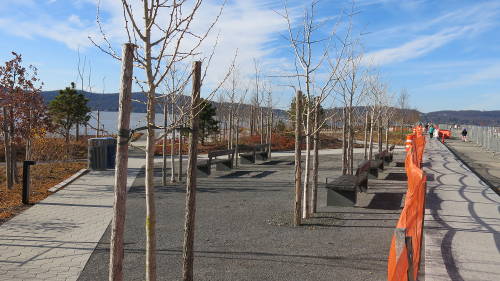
point(460, 23)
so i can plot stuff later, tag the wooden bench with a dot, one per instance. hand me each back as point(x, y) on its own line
point(249, 154)
point(377, 165)
point(204, 166)
point(343, 190)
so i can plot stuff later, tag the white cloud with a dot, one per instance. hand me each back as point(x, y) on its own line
point(415, 48)
point(460, 23)
point(249, 26)
point(485, 73)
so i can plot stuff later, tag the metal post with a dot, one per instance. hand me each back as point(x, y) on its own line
point(26, 180)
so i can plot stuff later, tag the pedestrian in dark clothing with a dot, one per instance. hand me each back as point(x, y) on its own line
point(464, 134)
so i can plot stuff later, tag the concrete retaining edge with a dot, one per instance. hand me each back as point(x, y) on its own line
point(69, 180)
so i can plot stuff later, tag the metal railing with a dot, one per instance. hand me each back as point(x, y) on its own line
point(486, 137)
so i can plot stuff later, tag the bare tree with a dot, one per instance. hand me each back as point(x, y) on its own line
point(165, 35)
point(312, 55)
point(402, 103)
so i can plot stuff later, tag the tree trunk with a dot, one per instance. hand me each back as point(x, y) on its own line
point(149, 176)
point(187, 264)
point(172, 146)
point(164, 143)
point(344, 142)
point(351, 151)
point(350, 140)
point(68, 136)
point(306, 194)
point(98, 123)
point(236, 147)
point(252, 122)
point(225, 138)
point(314, 197)
point(8, 154)
point(120, 190)
point(298, 155)
point(370, 155)
point(77, 132)
point(13, 150)
point(380, 134)
point(270, 135)
point(179, 175)
point(230, 139)
point(387, 136)
point(261, 126)
point(366, 136)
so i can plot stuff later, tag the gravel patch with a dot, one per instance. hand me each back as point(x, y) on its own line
point(244, 231)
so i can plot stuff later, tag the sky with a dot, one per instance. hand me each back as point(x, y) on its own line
point(445, 53)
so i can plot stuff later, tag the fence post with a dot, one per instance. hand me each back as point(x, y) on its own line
point(399, 234)
point(409, 250)
point(26, 180)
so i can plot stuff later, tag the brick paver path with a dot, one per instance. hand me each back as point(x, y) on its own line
point(462, 221)
point(54, 239)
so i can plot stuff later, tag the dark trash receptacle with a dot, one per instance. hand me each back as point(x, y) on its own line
point(101, 153)
point(111, 152)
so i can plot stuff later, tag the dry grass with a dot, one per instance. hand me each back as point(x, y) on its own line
point(43, 177)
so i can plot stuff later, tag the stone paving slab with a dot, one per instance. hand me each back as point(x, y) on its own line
point(462, 221)
point(54, 239)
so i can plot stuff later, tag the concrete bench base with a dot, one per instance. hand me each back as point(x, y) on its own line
point(223, 165)
point(247, 158)
point(342, 198)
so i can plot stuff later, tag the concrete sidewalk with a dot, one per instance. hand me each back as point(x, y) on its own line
point(54, 239)
point(479, 160)
point(462, 221)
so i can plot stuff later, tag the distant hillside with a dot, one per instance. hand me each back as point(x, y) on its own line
point(470, 117)
point(109, 102)
point(104, 102)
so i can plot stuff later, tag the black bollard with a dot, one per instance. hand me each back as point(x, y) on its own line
point(26, 180)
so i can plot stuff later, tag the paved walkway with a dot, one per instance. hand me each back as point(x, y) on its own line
point(54, 239)
point(462, 221)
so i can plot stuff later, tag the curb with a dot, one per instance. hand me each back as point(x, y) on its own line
point(67, 181)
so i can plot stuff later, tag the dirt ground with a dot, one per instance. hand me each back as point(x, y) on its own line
point(43, 177)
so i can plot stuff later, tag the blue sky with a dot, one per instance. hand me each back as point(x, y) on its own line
point(446, 53)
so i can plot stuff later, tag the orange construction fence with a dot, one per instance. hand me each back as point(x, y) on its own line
point(404, 255)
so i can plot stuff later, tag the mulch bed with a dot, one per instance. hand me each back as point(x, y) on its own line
point(43, 177)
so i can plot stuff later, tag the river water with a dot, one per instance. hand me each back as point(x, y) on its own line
point(109, 121)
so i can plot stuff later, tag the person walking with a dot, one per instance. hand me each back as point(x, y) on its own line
point(436, 133)
point(431, 131)
point(464, 135)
